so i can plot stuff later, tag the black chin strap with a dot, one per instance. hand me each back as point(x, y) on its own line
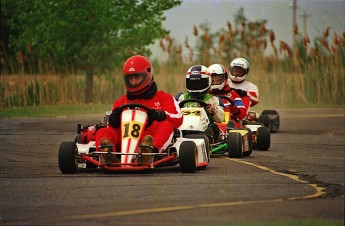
point(146, 95)
point(236, 81)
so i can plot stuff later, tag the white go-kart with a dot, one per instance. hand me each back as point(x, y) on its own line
point(235, 142)
point(189, 153)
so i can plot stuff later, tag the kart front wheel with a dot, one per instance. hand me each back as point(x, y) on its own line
point(68, 161)
point(235, 145)
point(263, 138)
point(188, 157)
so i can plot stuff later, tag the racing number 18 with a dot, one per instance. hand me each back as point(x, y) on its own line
point(135, 130)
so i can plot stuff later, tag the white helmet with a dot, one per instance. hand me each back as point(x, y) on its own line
point(198, 81)
point(220, 70)
point(239, 64)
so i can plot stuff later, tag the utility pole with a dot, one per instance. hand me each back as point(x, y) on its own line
point(294, 9)
point(305, 16)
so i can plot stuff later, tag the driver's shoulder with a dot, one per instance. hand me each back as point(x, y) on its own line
point(121, 100)
point(163, 93)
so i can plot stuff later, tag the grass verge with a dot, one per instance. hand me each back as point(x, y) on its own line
point(53, 111)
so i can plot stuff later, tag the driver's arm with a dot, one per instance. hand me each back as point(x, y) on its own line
point(171, 109)
point(253, 93)
point(242, 111)
point(218, 112)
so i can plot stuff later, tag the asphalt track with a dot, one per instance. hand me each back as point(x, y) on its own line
point(300, 178)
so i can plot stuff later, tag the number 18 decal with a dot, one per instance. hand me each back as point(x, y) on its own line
point(131, 130)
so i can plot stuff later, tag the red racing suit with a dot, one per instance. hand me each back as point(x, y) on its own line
point(238, 102)
point(162, 132)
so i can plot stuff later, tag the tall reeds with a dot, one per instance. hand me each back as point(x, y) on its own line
point(301, 76)
point(311, 74)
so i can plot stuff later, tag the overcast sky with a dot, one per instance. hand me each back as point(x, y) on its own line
point(278, 13)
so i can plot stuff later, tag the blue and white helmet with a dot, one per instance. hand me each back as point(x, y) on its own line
point(198, 81)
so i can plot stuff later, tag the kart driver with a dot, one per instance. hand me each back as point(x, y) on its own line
point(220, 87)
point(142, 89)
point(239, 69)
point(198, 83)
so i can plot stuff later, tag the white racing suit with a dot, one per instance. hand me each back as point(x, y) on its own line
point(252, 90)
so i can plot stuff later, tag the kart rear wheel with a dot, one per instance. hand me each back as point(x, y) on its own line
point(68, 161)
point(267, 112)
point(235, 145)
point(207, 143)
point(263, 138)
point(188, 157)
point(265, 119)
point(270, 118)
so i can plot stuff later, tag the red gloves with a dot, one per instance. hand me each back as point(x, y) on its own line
point(234, 110)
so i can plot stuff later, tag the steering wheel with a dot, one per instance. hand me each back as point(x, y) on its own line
point(136, 106)
point(228, 99)
point(201, 102)
point(240, 92)
point(133, 106)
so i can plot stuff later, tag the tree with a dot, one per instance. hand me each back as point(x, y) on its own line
point(243, 38)
point(89, 35)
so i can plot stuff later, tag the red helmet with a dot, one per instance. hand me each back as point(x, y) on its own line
point(138, 74)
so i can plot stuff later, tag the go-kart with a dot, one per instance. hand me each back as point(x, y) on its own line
point(260, 135)
point(270, 119)
point(189, 153)
point(235, 142)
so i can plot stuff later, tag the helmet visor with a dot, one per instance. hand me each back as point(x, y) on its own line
point(217, 79)
point(238, 71)
point(196, 82)
point(135, 80)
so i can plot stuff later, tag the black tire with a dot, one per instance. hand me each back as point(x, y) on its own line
point(250, 141)
point(77, 139)
point(265, 119)
point(209, 133)
point(207, 143)
point(263, 138)
point(68, 162)
point(235, 145)
point(231, 125)
point(273, 120)
point(267, 112)
point(188, 157)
